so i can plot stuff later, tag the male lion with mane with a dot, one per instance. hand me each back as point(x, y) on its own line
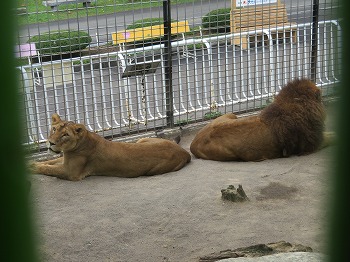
point(293, 124)
point(86, 153)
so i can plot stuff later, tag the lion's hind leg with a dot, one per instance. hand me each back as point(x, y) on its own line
point(225, 117)
point(149, 140)
point(171, 166)
point(230, 116)
point(55, 161)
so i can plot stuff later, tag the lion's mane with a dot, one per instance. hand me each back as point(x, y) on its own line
point(296, 117)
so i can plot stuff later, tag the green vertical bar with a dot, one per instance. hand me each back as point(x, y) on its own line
point(15, 217)
point(339, 236)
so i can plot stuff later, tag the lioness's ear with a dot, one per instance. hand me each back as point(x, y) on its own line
point(55, 119)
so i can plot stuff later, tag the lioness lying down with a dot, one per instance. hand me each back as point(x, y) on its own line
point(292, 125)
point(86, 153)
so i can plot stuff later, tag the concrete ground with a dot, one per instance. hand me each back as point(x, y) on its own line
point(180, 216)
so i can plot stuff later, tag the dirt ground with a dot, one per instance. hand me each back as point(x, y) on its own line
point(180, 216)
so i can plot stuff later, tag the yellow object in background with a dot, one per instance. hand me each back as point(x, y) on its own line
point(148, 32)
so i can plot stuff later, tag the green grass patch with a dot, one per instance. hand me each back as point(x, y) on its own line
point(83, 62)
point(21, 61)
point(183, 122)
point(38, 13)
point(212, 115)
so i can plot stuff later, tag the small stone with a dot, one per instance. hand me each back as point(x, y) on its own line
point(233, 194)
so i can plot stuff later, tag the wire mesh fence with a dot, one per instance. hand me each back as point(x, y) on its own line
point(127, 67)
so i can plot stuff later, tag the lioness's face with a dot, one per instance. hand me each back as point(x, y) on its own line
point(64, 135)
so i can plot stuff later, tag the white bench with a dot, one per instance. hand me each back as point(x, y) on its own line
point(55, 3)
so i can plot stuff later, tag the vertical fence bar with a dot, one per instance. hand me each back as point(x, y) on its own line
point(168, 64)
point(314, 39)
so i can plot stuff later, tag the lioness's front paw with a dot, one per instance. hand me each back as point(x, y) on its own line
point(32, 166)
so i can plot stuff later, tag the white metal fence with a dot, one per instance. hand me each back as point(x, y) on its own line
point(209, 75)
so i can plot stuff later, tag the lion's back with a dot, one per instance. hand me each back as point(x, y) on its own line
point(241, 139)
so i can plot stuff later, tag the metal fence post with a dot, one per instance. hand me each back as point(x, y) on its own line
point(168, 64)
point(314, 39)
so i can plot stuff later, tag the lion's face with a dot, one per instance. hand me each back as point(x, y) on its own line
point(64, 135)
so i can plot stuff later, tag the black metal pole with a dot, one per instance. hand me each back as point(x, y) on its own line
point(314, 38)
point(168, 63)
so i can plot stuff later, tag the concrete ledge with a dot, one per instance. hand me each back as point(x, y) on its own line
point(282, 257)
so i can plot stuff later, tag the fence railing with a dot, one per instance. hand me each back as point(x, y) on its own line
point(123, 92)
